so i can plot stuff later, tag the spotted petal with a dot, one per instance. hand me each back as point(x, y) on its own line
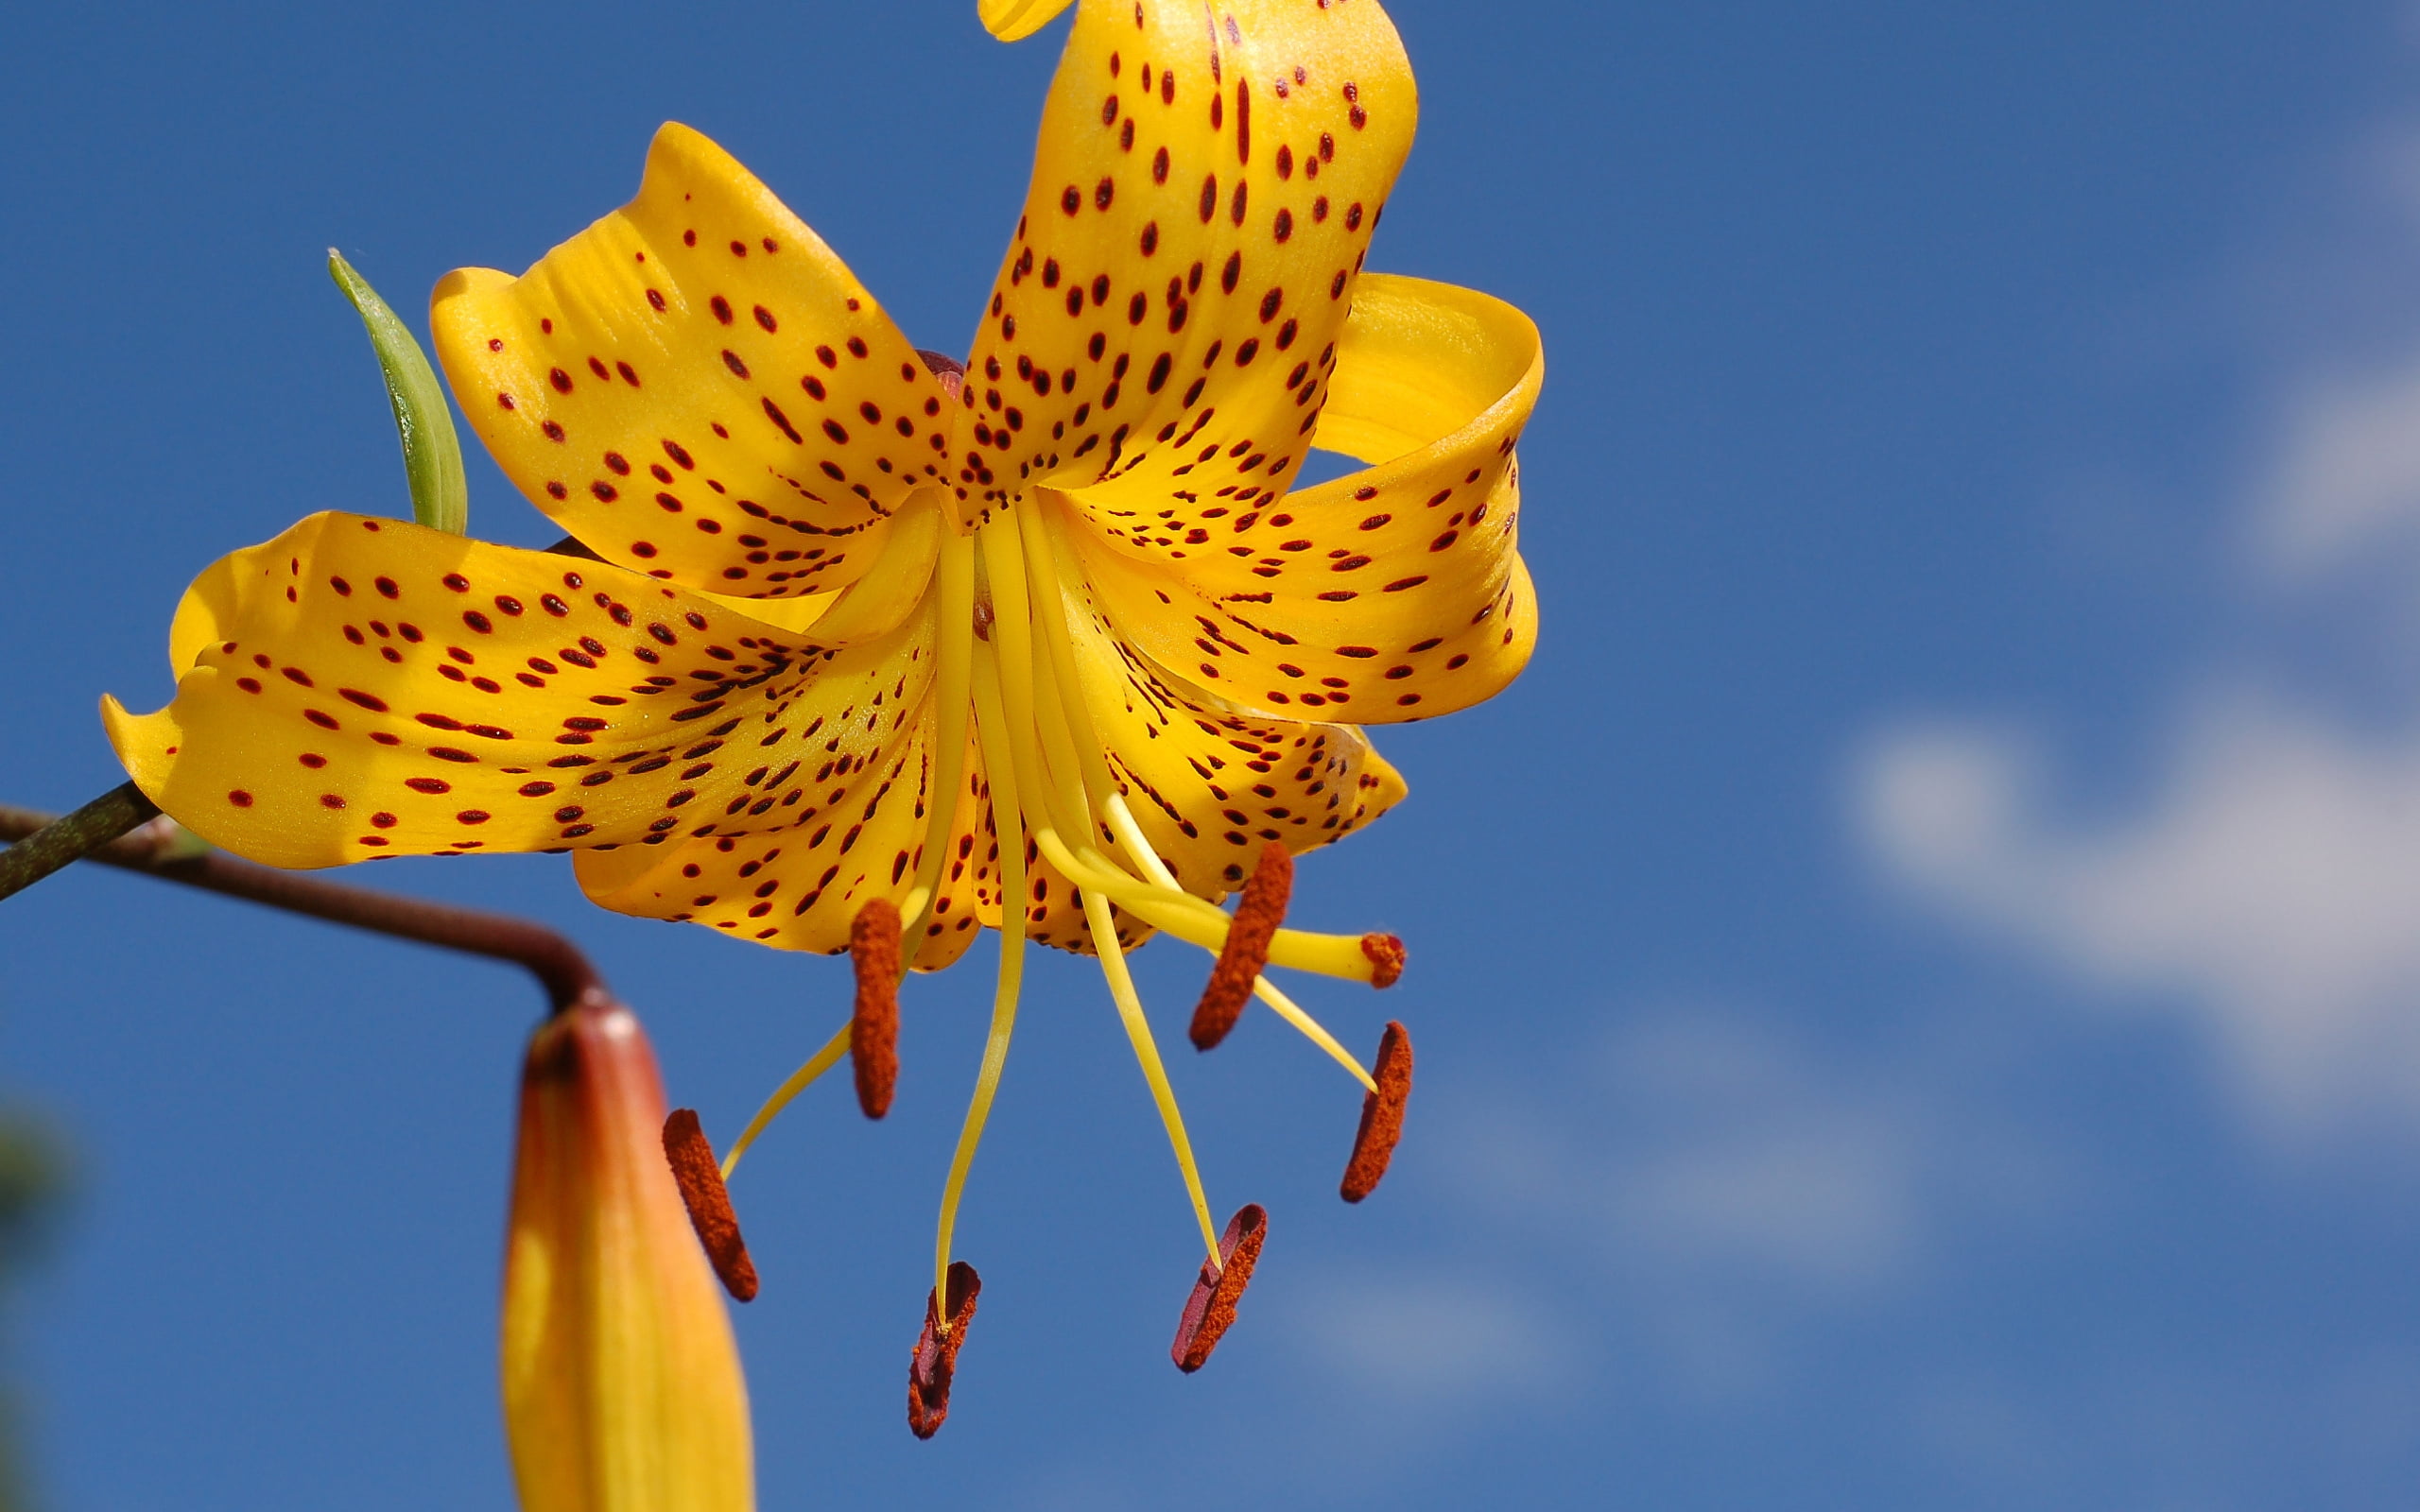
point(1204, 188)
point(696, 387)
point(839, 821)
point(1395, 593)
point(364, 687)
point(1211, 782)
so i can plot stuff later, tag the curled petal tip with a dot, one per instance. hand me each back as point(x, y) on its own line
point(700, 1179)
point(873, 1026)
point(1374, 1144)
point(1246, 950)
point(935, 1362)
point(1211, 1310)
point(1013, 20)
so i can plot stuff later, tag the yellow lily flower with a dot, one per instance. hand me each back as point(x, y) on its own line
point(1048, 643)
point(622, 1389)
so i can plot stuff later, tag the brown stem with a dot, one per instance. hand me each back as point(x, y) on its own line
point(52, 844)
point(163, 851)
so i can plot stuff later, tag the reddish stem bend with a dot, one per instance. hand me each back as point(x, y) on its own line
point(158, 850)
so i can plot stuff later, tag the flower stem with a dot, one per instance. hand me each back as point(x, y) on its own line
point(53, 843)
point(561, 970)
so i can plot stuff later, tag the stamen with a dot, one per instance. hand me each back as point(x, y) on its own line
point(1211, 1310)
point(1047, 568)
point(873, 1026)
point(799, 1081)
point(1138, 1032)
point(1313, 1030)
point(709, 1203)
point(1386, 958)
point(1008, 822)
point(935, 1362)
point(1157, 899)
point(1257, 916)
point(1374, 1144)
point(954, 642)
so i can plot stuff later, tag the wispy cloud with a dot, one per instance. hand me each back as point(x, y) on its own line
point(1706, 1181)
point(2267, 889)
point(2345, 474)
point(1428, 1339)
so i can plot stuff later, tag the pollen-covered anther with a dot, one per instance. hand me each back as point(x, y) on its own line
point(1386, 954)
point(1246, 950)
point(700, 1179)
point(873, 1026)
point(1374, 1144)
point(1211, 1310)
point(936, 1358)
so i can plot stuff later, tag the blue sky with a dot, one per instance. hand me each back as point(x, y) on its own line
point(1915, 988)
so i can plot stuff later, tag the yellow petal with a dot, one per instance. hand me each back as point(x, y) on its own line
point(1012, 20)
point(1203, 190)
point(696, 387)
point(1393, 593)
point(1211, 782)
point(380, 689)
point(622, 1390)
point(845, 826)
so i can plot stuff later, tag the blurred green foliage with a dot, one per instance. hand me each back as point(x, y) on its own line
point(34, 1177)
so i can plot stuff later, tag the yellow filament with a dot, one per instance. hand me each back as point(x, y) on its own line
point(1030, 712)
point(1048, 571)
point(1312, 1030)
point(816, 1064)
point(1194, 921)
point(997, 760)
point(1130, 1011)
point(1163, 905)
point(953, 650)
point(1046, 563)
point(1052, 764)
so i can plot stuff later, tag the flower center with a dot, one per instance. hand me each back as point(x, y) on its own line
point(1005, 658)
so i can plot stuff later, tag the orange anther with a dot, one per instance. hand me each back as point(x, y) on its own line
point(1211, 1310)
point(1386, 958)
point(1373, 1145)
point(873, 1026)
point(709, 1203)
point(1246, 951)
point(936, 1358)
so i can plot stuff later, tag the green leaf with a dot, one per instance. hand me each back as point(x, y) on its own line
point(432, 456)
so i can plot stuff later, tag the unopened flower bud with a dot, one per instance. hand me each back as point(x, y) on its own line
point(622, 1388)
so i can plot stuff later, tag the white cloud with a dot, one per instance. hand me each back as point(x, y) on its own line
point(2345, 476)
point(1431, 1339)
point(1706, 1184)
point(2268, 890)
point(2265, 889)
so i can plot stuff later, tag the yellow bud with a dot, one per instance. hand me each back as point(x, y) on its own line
point(622, 1388)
